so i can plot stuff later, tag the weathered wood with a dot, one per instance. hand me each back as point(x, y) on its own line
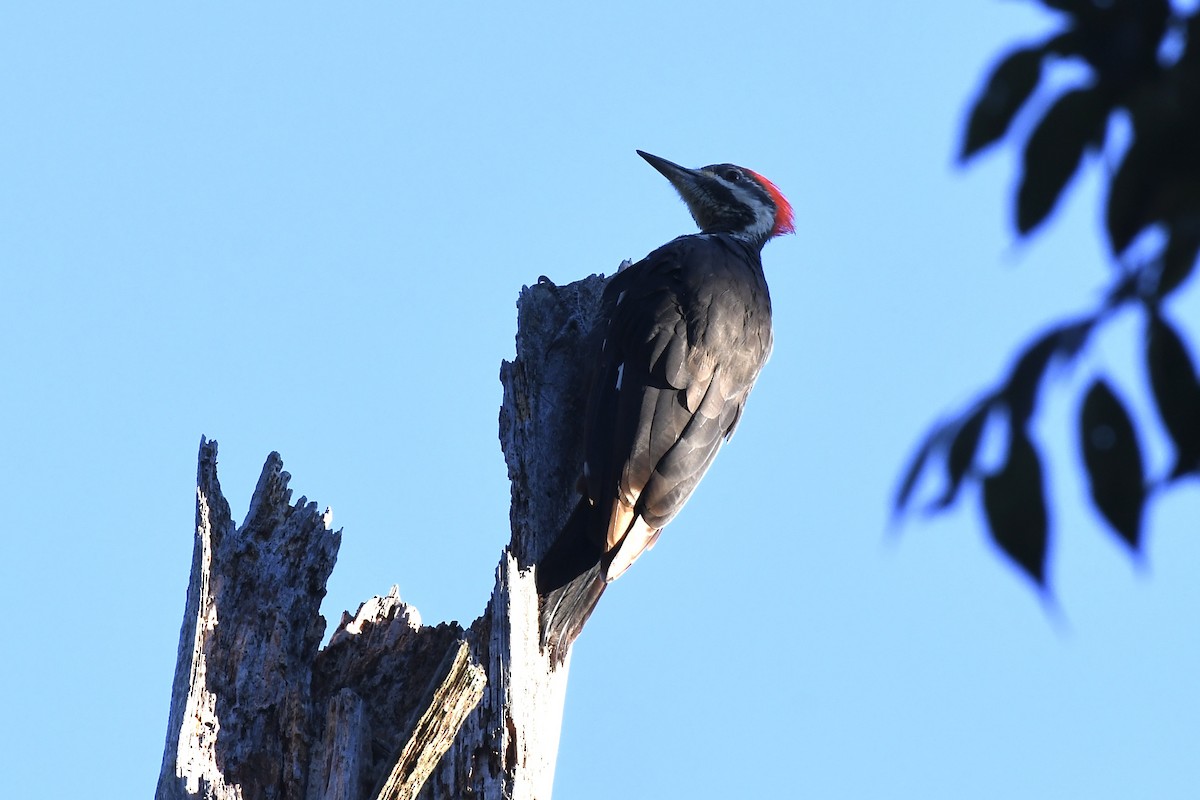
point(384, 655)
point(545, 397)
point(341, 768)
point(239, 712)
point(449, 702)
point(260, 711)
point(507, 748)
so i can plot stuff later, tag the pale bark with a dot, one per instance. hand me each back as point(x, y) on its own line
point(390, 708)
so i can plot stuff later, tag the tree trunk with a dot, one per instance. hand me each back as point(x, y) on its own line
point(390, 708)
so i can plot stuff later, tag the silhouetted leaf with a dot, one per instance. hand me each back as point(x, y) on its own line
point(1125, 213)
point(1178, 261)
point(1015, 504)
point(1114, 461)
point(1011, 83)
point(962, 451)
point(1176, 392)
point(1158, 179)
point(934, 439)
point(1067, 43)
point(1123, 42)
point(1064, 341)
point(1076, 7)
point(1130, 191)
point(1191, 56)
point(1053, 152)
point(1021, 390)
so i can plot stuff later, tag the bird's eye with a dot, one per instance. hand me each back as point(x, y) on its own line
point(733, 176)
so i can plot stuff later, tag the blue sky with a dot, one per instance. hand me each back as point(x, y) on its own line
point(303, 228)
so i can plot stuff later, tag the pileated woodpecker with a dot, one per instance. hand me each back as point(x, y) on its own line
point(686, 331)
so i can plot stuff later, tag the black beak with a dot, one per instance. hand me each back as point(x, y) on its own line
point(683, 179)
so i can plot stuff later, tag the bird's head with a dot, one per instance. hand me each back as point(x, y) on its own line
point(724, 198)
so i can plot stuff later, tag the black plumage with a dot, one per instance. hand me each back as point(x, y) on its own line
point(686, 332)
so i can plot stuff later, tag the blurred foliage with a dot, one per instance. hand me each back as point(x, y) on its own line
point(1142, 59)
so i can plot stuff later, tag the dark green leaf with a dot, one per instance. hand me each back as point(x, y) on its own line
point(1178, 261)
point(1054, 150)
point(1114, 461)
point(1176, 391)
point(1015, 504)
point(1011, 83)
point(962, 451)
point(1063, 341)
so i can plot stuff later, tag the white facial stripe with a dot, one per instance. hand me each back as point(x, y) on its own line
point(764, 215)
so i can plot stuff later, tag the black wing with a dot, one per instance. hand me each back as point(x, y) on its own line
point(688, 332)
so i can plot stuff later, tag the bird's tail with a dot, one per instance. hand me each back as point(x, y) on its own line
point(570, 580)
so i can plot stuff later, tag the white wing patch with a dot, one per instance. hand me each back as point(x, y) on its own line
point(620, 374)
point(639, 539)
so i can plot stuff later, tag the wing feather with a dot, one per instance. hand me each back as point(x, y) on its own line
point(687, 333)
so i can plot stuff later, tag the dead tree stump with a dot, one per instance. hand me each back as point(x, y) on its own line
point(390, 708)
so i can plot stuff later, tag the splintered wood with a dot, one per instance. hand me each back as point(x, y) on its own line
point(390, 708)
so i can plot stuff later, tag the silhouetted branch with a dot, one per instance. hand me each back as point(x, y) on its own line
point(1155, 187)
